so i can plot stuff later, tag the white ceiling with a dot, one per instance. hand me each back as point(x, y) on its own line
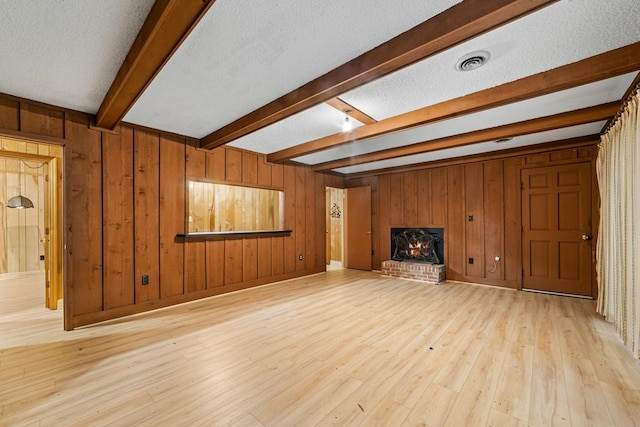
point(245, 53)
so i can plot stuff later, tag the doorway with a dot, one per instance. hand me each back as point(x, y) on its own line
point(334, 228)
point(31, 238)
point(557, 229)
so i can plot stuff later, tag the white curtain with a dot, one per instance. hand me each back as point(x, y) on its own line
point(618, 248)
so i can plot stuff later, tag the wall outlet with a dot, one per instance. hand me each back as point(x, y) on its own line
point(470, 217)
point(470, 260)
point(300, 257)
point(145, 279)
point(496, 259)
point(41, 257)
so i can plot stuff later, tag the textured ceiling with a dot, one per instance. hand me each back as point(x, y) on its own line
point(244, 54)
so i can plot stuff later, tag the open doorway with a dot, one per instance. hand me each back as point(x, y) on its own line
point(334, 228)
point(31, 215)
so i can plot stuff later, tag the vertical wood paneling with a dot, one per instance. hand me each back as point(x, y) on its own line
point(83, 167)
point(233, 255)
point(117, 167)
point(300, 212)
point(249, 168)
point(384, 184)
point(277, 176)
point(264, 257)
point(215, 164)
point(395, 200)
point(147, 244)
point(454, 231)
point(290, 254)
point(9, 114)
point(512, 227)
point(233, 165)
point(409, 199)
point(493, 218)
point(172, 213)
point(310, 220)
point(277, 255)
point(474, 230)
point(3, 219)
point(195, 271)
point(424, 199)
point(439, 197)
point(375, 219)
point(216, 269)
point(42, 121)
point(249, 259)
point(264, 172)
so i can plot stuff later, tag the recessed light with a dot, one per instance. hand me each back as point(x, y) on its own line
point(502, 140)
point(473, 60)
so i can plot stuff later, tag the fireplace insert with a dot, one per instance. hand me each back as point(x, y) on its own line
point(418, 245)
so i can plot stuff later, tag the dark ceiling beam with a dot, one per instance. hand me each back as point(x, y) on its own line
point(541, 124)
point(546, 147)
point(458, 24)
point(340, 105)
point(610, 64)
point(168, 24)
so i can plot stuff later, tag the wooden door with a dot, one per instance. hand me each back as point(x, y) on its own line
point(357, 228)
point(556, 229)
point(327, 226)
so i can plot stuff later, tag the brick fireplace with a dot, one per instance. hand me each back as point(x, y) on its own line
point(417, 253)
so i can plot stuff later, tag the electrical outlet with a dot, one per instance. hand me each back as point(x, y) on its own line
point(300, 257)
point(41, 257)
point(470, 217)
point(145, 279)
point(470, 260)
point(497, 259)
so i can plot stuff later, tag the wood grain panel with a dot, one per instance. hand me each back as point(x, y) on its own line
point(395, 199)
point(423, 198)
point(216, 268)
point(249, 259)
point(215, 163)
point(300, 212)
point(310, 257)
point(384, 230)
point(195, 266)
point(277, 255)
point(147, 200)
point(290, 253)
point(83, 203)
point(42, 121)
point(493, 218)
point(172, 213)
point(512, 259)
point(264, 172)
point(474, 230)
point(9, 114)
point(277, 176)
point(264, 257)
point(249, 168)
point(233, 165)
point(319, 214)
point(233, 256)
point(439, 197)
point(118, 242)
point(409, 199)
point(454, 236)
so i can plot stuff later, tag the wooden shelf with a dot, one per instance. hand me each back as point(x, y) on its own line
point(229, 235)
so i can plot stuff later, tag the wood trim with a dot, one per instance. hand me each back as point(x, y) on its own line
point(571, 143)
point(342, 106)
point(455, 25)
point(168, 24)
point(570, 118)
point(595, 68)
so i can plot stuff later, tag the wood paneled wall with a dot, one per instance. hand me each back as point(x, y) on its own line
point(125, 201)
point(445, 197)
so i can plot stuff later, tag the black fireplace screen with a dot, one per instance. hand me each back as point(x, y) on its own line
point(418, 244)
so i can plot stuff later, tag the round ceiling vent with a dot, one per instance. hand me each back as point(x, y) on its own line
point(502, 140)
point(473, 60)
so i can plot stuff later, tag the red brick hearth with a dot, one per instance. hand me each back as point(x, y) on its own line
point(430, 273)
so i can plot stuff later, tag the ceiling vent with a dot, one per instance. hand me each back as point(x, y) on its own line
point(473, 60)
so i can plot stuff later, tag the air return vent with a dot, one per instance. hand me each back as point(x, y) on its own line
point(473, 60)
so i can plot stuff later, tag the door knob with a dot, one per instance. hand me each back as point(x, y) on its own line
point(586, 237)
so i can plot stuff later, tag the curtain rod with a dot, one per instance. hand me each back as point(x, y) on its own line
point(625, 103)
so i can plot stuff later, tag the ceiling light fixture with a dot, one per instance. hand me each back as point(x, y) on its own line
point(347, 125)
point(473, 60)
point(19, 201)
point(502, 140)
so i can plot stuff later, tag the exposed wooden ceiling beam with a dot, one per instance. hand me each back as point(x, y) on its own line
point(571, 143)
point(460, 23)
point(340, 105)
point(599, 67)
point(168, 24)
point(542, 124)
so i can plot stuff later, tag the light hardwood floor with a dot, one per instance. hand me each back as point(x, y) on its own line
point(343, 348)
